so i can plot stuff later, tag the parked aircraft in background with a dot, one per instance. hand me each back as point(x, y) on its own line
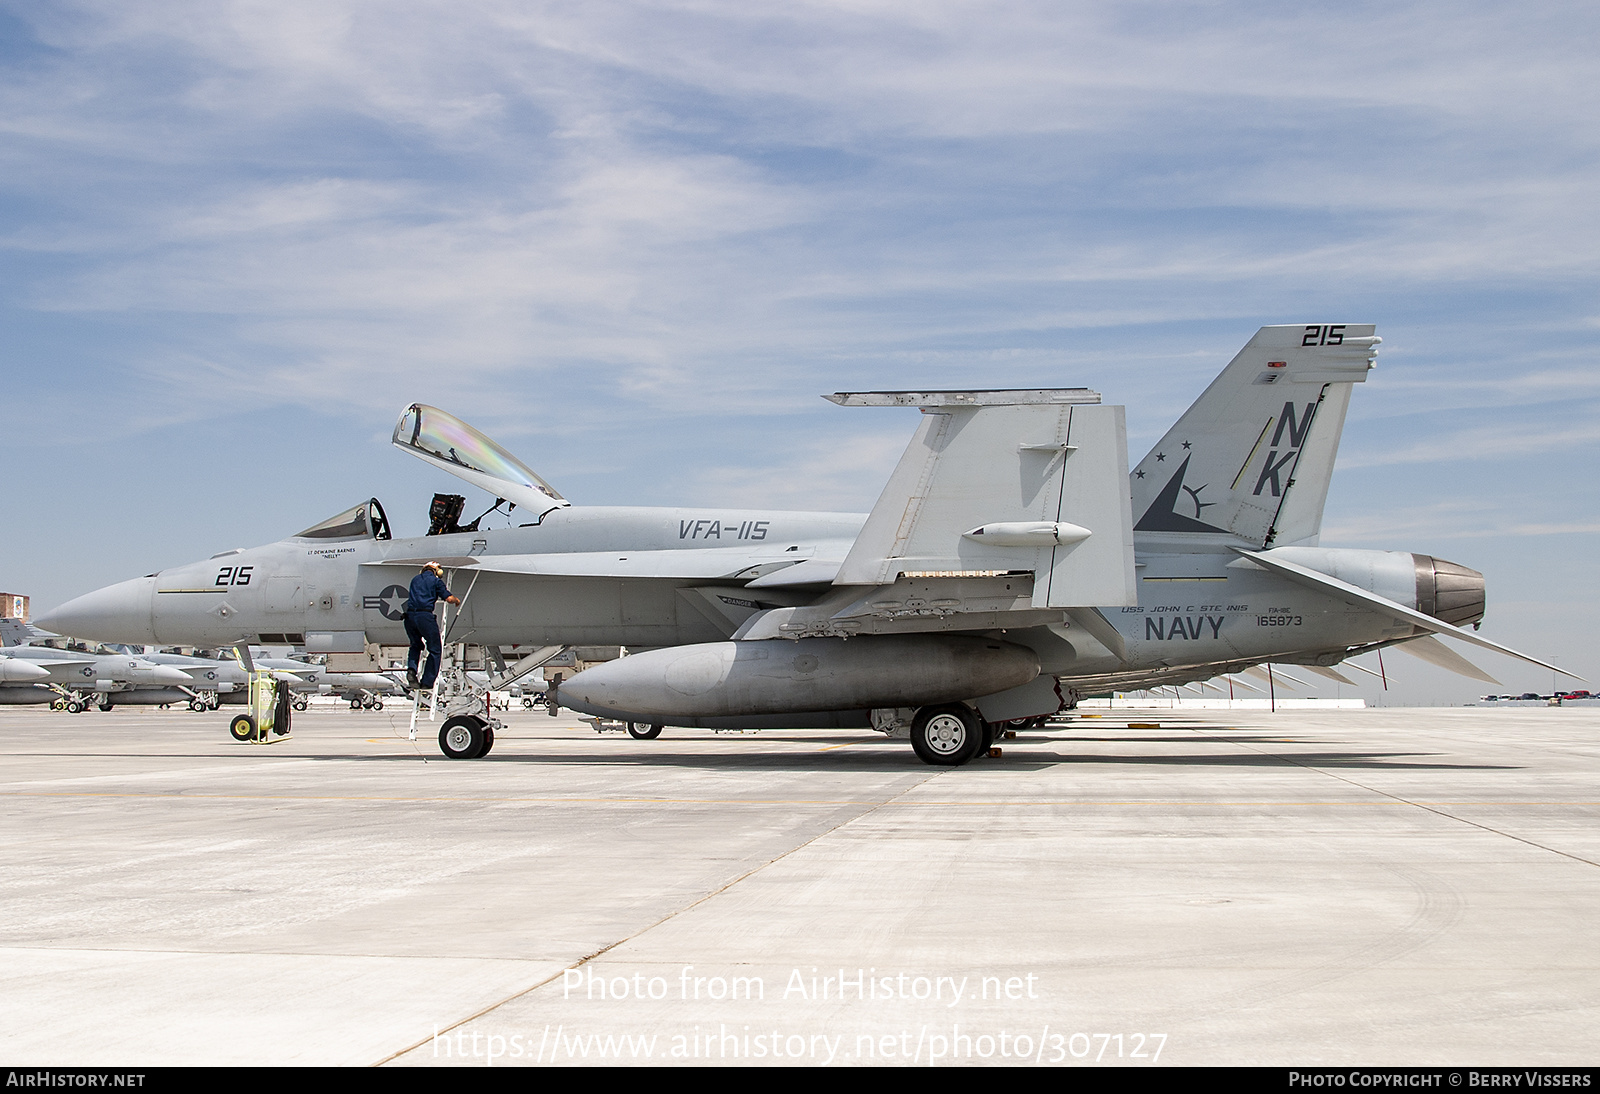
point(1010, 565)
point(100, 676)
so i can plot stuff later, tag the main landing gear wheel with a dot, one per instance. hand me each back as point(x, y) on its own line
point(74, 707)
point(243, 728)
point(465, 737)
point(643, 731)
point(947, 736)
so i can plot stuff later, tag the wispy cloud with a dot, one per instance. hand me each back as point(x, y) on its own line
point(1522, 438)
point(583, 226)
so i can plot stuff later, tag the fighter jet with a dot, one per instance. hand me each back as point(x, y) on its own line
point(306, 678)
point(225, 680)
point(85, 676)
point(1011, 564)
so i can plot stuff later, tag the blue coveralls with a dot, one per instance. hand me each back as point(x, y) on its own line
point(423, 626)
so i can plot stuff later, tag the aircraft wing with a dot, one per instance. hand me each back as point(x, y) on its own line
point(1353, 595)
point(1004, 482)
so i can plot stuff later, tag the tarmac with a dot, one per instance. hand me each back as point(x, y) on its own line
point(1370, 887)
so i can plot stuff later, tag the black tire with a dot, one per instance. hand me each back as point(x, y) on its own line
point(355, 704)
point(104, 706)
point(946, 736)
point(527, 703)
point(377, 704)
point(243, 728)
point(643, 731)
point(74, 707)
point(462, 738)
point(488, 741)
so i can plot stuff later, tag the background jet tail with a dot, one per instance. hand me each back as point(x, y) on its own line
point(15, 632)
point(1252, 458)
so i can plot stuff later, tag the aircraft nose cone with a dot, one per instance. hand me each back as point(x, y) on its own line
point(13, 671)
point(117, 613)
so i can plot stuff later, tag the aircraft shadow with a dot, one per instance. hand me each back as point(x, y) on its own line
point(884, 761)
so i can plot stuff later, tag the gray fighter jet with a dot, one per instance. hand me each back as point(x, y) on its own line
point(84, 676)
point(1010, 565)
point(224, 680)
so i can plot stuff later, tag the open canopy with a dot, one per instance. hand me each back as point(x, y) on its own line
point(449, 443)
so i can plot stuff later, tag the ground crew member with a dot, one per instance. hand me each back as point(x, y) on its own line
point(423, 626)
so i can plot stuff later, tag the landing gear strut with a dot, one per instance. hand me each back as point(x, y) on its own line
point(467, 735)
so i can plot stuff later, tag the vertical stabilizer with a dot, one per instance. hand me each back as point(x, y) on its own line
point(1252, 458)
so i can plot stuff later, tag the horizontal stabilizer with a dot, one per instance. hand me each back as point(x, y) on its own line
point(992, 484)
point(1435, 652)
point(1275, 676)
point(1354, 595)
point(1332, 674)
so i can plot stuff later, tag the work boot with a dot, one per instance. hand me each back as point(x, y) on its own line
point(411, 680)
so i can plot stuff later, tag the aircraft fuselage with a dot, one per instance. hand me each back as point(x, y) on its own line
point(647, 578)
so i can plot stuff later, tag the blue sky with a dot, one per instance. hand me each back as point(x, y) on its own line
point(635, 241)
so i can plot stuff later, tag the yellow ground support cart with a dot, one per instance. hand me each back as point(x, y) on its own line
point(268, 712)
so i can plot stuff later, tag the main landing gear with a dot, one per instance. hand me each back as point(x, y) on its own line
point(643, 731)
point(949, 736)
point(466, 737)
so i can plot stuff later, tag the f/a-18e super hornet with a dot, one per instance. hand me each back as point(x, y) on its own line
point(1010, 565)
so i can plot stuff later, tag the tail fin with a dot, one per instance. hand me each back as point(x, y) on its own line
point(1252, 458)
point(17, 632)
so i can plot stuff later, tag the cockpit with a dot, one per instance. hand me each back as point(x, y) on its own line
point(364, 521)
